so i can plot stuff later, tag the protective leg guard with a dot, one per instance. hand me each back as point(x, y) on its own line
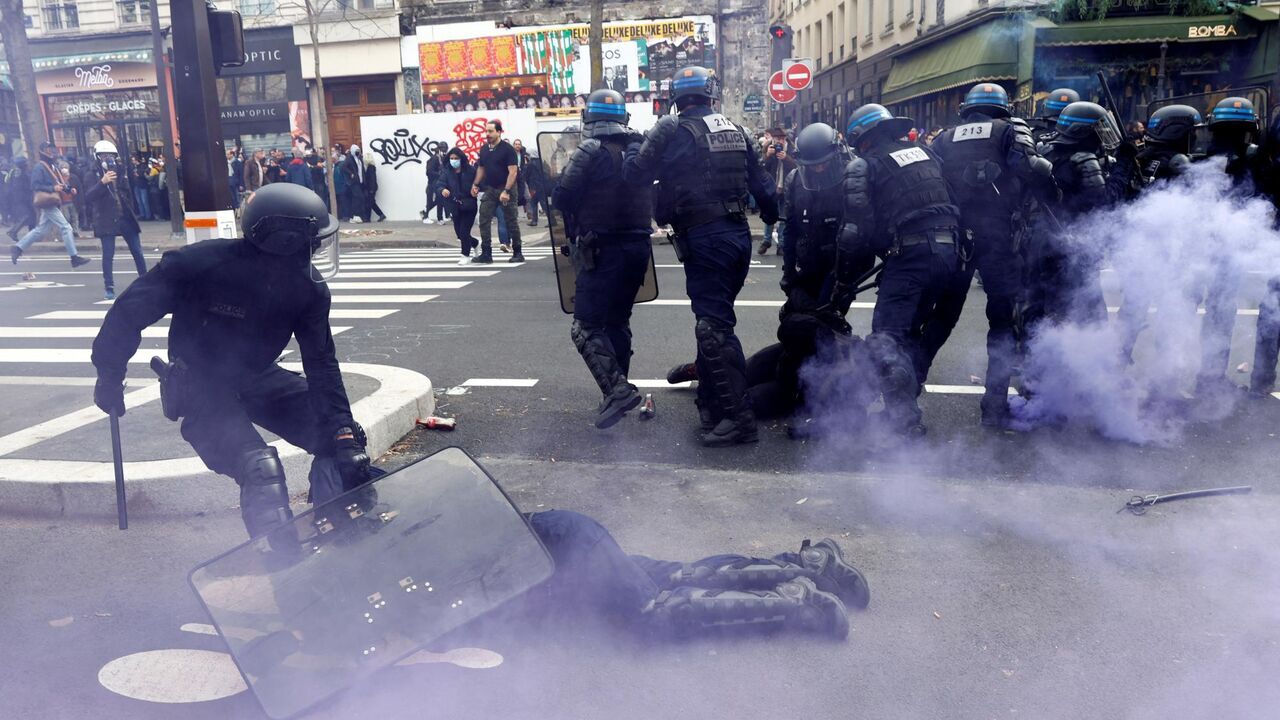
point(794, 605)
point(597, 352)
point(264, 496)
point(728, 383)
point(898, 384)
point(822, 562)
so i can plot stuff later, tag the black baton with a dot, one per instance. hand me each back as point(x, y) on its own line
point(122, 508)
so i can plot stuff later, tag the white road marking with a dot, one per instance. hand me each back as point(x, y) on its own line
point(45, 381)
point(339, 314)
point(1199, 311)
point(657, 383)
point(500, 382)
point(54, 331)
point(411, 273)
point(415, 265)
point(397, 285)
point(199, 629)
point(40, 432)
point(173, 676)
point(959, 389)
point(390, 299)
point(71, 355)
point(753, 266)
point(744, 303)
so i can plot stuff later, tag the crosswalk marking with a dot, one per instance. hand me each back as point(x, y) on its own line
point(45, 331)
point(500, 382)
point(338, 314)
point(416, 265)
point(420, 274)
point(69, 355)
point(426, 285)
point(389, 299)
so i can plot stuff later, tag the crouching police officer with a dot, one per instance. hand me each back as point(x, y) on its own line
point(235, 306)
point(611, 255)
point(705, 165)
point(897, 205)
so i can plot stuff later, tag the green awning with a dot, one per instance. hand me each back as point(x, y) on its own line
point(142, 55)
point(1264, 60)
point(986, 52)
point(1147, 29)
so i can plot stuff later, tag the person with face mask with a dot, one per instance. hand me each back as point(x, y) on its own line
point(455, 191)
point(235, 305)
point(354, 170)
point(113, 216)
point(48, 189)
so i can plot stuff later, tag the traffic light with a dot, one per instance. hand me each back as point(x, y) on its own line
point(779, 32)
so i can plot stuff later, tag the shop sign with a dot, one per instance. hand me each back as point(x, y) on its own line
point(94, 106)
point(96, 77)
point(1205, 32)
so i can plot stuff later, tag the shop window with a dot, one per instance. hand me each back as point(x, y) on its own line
point(381, 94)
point(226, 92)
point(344, 96)
point(257, 7)
point(60, 15)
point(133, 12)
point(364, 4)
point(258, 89)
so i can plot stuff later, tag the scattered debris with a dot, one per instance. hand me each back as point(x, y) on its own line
point(937, 614)
point(28, 276)
point(975, 380)
point(646, 407)
point(1242, 367)
point(438, 423)
point(63, 621)
point(1138, 504)
point(102, 614)
point(802, 501)
point(1007, 673)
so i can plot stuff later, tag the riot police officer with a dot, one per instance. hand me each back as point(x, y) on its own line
point(705, 165)
point(1233, 128)
point(897, 205)
point(992, 167)
point(1262, 379)
point(1045, 125)
point(611, 253)
point(235, 305)
point(1166, 153)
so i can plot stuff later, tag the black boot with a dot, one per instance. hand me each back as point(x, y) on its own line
point(598, 353)
point(15, 252)
point(686, 372)
point(728, 383)
point(78, 260)
point(794, 605)
point(898, 385)
point(995, 411)
point(516, 255)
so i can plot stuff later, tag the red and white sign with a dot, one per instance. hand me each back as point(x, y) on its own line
point(779, 90)
point(798, 73)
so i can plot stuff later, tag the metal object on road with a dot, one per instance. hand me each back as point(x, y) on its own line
point(438, 423)
point(555, 149)
point(117, 457)
point(646, 407)
point(1138, 504)
point(377, 573)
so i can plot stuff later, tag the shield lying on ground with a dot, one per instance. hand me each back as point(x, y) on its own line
point(365, 580)
point(555, 149)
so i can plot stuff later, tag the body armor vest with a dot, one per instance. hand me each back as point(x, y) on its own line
point(908, 189)
point(1159, 163)
point(613, 206)
point(716, 174)
point(817, 214)
point(975, 165)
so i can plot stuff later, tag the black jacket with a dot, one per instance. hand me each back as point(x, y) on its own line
point(459, 186)
point(370, 180)
point(112, 206)
point(235, 309)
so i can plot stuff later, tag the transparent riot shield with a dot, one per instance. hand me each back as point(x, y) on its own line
point(1205, 102)
point(367, 579)
point(555, 149)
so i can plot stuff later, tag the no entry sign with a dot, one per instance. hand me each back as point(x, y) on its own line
point(779, 90)
point(797, 73)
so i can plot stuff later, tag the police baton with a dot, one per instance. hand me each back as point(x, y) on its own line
point(122, 508)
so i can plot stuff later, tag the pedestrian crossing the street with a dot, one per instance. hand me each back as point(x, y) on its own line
point(372, 285)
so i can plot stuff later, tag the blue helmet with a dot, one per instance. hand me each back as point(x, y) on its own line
point(872, 117)
point(605, 114)
point(694, 82)
point(1172, 124)
point(1233, 111)
point(1086, 123)
point(987, 98)
point(1057, 100)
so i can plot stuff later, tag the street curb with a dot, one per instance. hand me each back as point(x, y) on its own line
point(183, 486)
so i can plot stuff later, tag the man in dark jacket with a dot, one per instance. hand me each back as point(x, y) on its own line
point(113, 216)
point(47, 179)
point(371, 193)
point(297, 172)
point(19, 189)
point(353, 169)
point(435, 183)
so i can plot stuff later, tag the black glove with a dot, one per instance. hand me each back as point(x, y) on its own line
point(108, 395)
point(842, 296)
point(351, 457)
point(769, 213)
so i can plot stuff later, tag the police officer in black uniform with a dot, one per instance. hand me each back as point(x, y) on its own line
point(897, 205)
point(1045, 126)
point(992, 167)
point(705, 166)
point(611, 253)
point(236, 304)
point(1262, 379)
point(1064, 271)
point(1166, 153)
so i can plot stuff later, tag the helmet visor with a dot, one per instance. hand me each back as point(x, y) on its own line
point(325, 253)
point(820, 175)
point(1108, 133)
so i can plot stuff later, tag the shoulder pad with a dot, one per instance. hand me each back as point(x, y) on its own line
point(590, 146)
point(1079, 158)
point(666, 124)
point(790, 181)
point(1178, 164)
point(1018, 123)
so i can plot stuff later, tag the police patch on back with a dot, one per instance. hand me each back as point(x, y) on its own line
point(726, 142)
point(972, 131)
point(718, 123)
point(907, 156)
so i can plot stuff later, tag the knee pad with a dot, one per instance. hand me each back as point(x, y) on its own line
point(711, 335)
point(261, 467)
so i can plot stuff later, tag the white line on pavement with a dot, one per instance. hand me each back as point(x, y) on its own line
point(46, 381)
point(657, 383)
point(338, 314)
point(413, 273)
point(1199, 311)
point(500, 382)
point(40, 432)
point(429, 285)
point(74, 356)
point(339, 298)
point(744, 303)
point(959, 389)
point(414, 265)
point(754, 266)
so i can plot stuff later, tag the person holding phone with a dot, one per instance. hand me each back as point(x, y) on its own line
point(113, 215)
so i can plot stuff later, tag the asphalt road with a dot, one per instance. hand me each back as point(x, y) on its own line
point(1004, 583)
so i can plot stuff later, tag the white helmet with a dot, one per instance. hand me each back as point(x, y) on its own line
point(104, 147)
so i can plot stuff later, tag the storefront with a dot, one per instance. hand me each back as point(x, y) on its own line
point(10, 136)
point(102, 96)
point(264, 102)
point(360, 61)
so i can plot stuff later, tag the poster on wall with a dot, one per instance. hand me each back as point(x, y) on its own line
point(400, 146)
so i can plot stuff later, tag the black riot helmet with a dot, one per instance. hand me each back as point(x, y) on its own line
point(605, 114)
point(987, 98)
point(694, 84)
point(1173, 125)
point(286, 219)
point(1056, 101)
point(1234, 113)
point(1087, 123)
point(874, 122)
point(820, 155)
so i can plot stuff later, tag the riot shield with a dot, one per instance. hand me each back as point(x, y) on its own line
point(1205, 102)
point(365, 580)
point(555, 149)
